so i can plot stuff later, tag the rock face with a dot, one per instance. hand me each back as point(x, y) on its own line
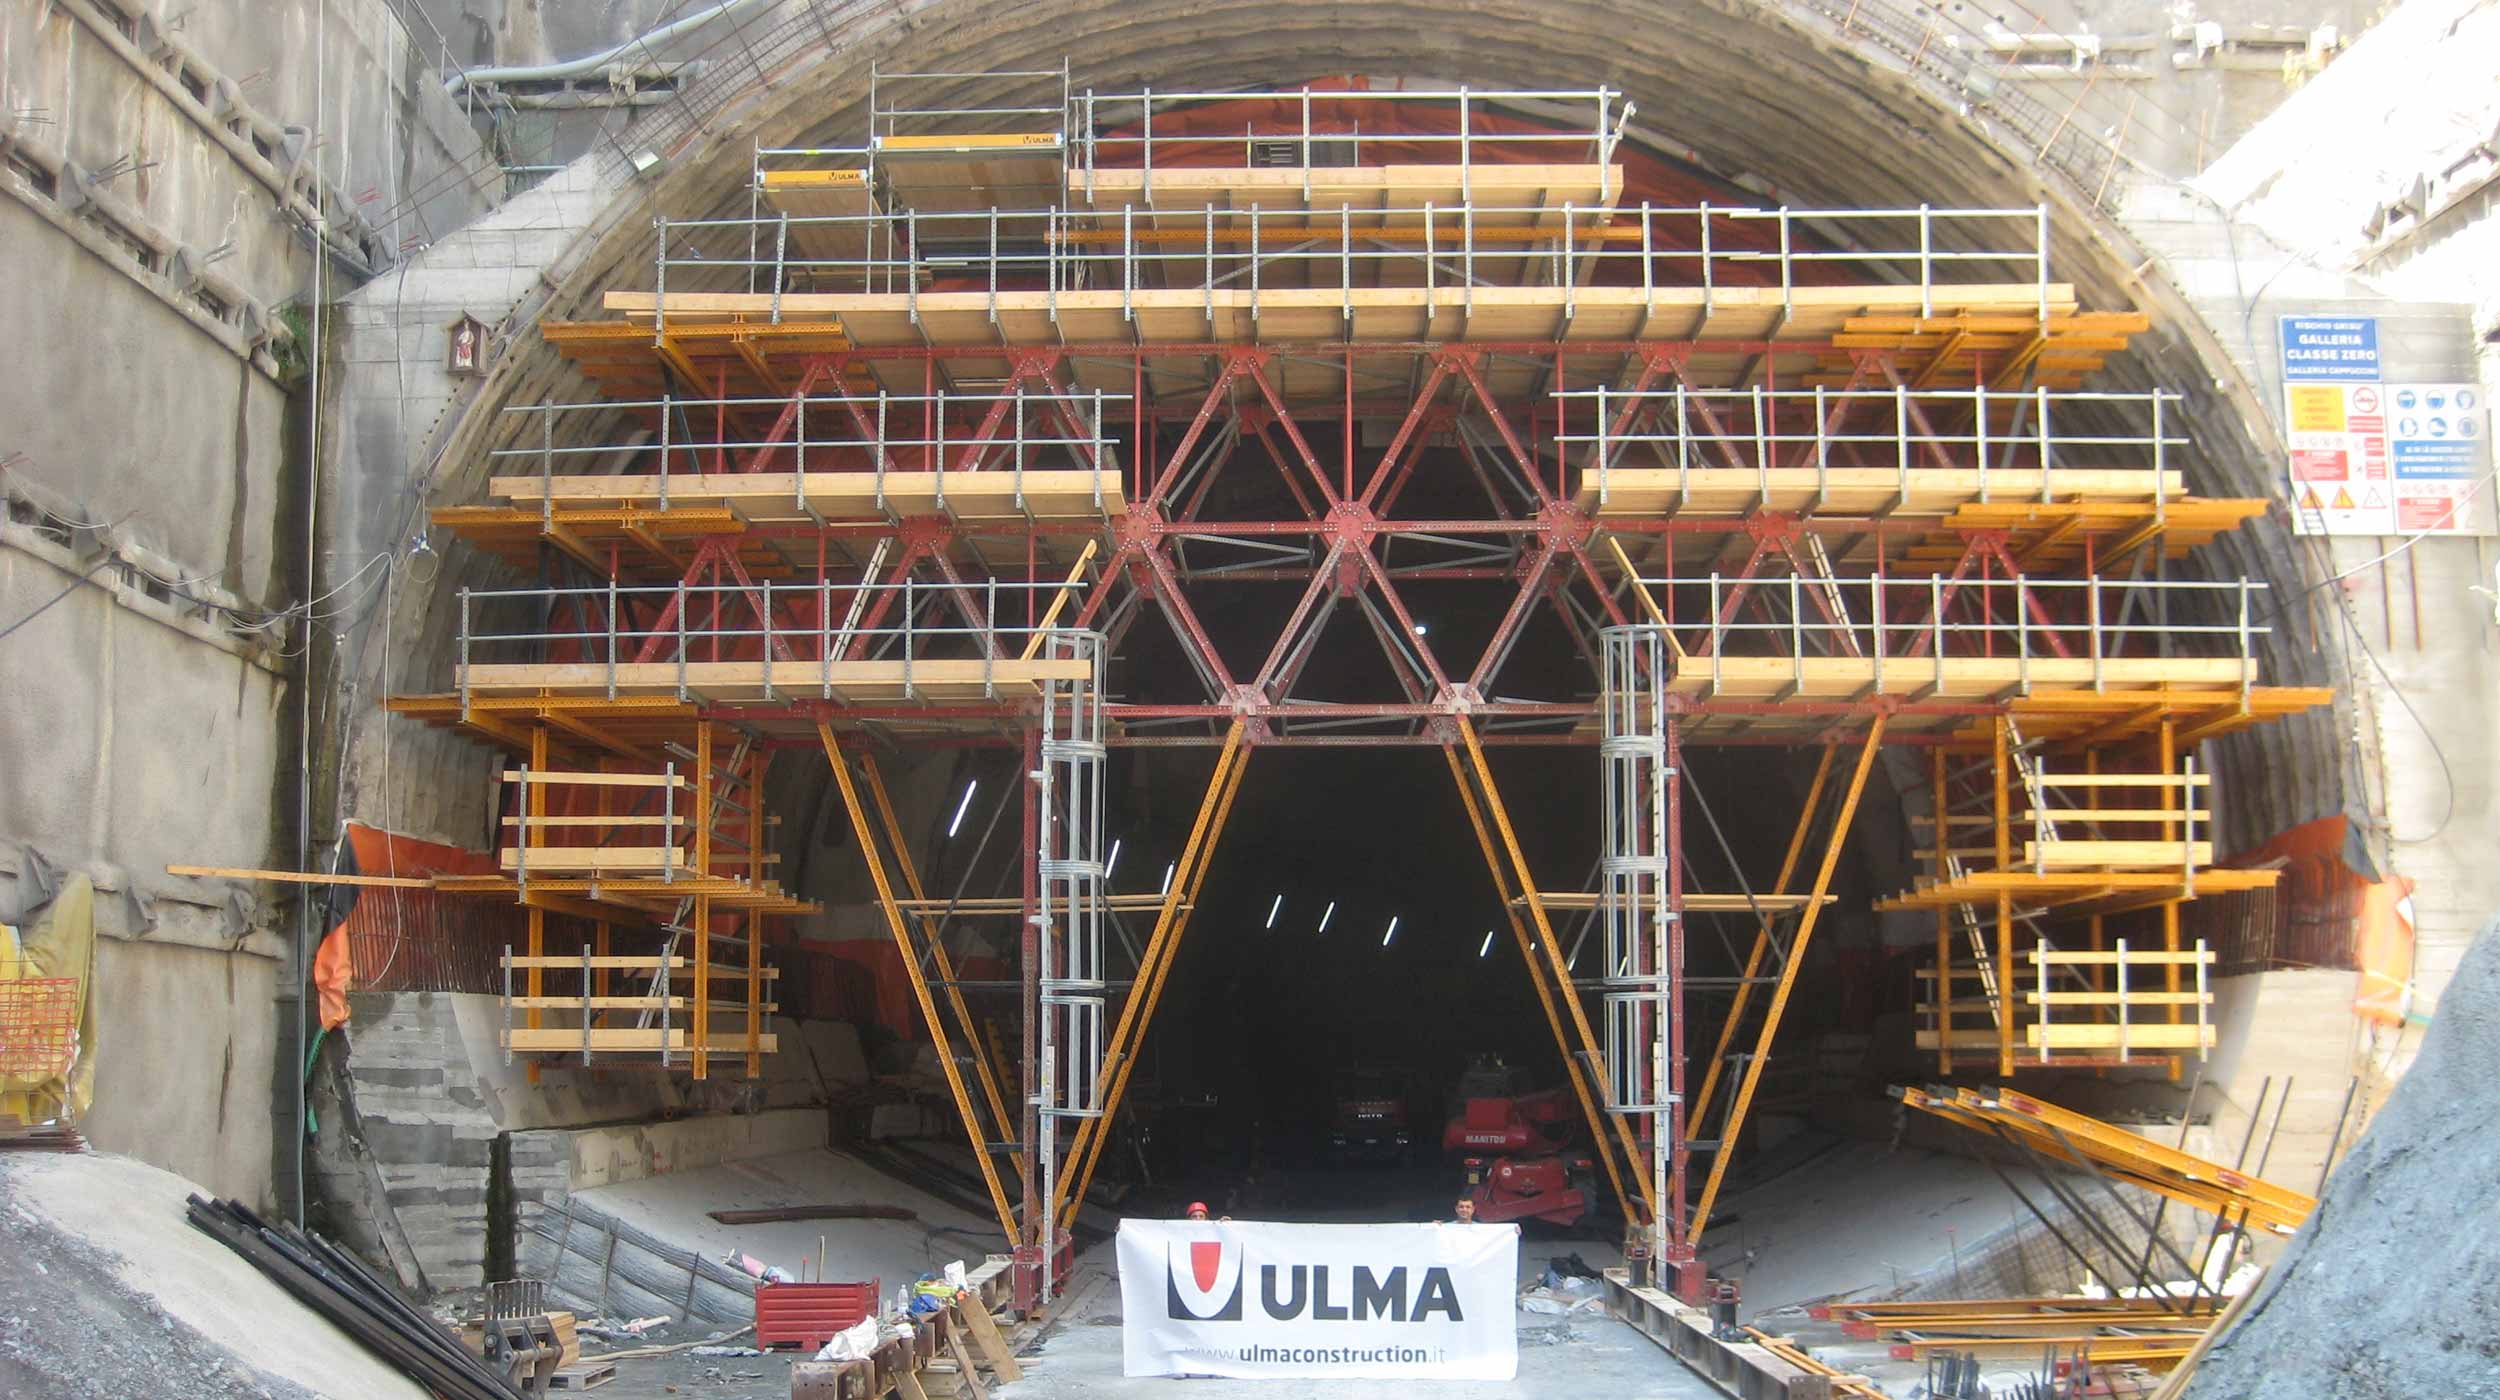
point(2392, 1288)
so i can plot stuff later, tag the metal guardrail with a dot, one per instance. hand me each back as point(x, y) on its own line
point(2021, 618)
point(1893, 428)
point(1439, 248)
point(865, 432)
point(744, 622)
point(1332, 134)
point(893, 112)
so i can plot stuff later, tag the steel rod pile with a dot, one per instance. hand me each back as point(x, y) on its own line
point(332, 1283)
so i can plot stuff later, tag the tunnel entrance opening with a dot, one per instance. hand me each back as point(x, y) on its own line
point(1405, 450)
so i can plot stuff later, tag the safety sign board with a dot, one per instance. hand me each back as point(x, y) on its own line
point(2330, 349)
point(2388, 459)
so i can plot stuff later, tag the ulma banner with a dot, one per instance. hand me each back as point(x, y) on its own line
point(1259, 1298)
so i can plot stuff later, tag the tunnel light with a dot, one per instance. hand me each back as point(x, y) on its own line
point(963, 806)
point(1420, 629)
point(1392, 933)
point(1112, 864)
point(1273, 909)
point(1167, 880)
point(1325, 915)
point(1487, 950)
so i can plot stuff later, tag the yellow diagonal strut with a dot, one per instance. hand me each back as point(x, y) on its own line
point(1536, 978)
point(1761, 940)
point(945, 966)
point(919, 985)
point(1180, 899)
point(1555, 961)
point(1788, 980)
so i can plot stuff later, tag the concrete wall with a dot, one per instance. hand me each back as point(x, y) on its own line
point(393, 401)
point(606, 1156)
point(418, 1100)
point(154, 216)
point(2287, 217)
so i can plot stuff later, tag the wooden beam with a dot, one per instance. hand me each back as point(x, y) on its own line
point(298, 877)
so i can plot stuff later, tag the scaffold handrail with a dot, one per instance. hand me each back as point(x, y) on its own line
point(1337, 121)
point(819, 623)
point(2022, 618)
point(858, 158)
point(1028, 422)
point(1899, 427)
point(1445, 250)
point(888, 118)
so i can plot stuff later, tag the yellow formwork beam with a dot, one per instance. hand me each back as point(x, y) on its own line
point(2062, 1135)
point(1180, 900)
point(1556, 963)
point(1788, 981)
point(910, 871)
point(919, 984)
point(1511, 906)
point(1762, 939)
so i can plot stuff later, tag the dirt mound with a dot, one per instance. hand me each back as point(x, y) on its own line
point(105, 1290)
point(2393, 1287)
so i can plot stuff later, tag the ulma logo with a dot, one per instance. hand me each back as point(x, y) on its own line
point(1204, 1281)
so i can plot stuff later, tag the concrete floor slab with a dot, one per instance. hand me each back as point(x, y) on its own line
point(676, 1207)
point(1558, 1357)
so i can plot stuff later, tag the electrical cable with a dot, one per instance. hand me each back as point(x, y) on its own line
point(46, 606)
point(2270, 403)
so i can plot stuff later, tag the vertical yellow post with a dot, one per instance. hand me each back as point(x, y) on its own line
point(1944, 986)
point(755, 994)
point(757, 834)
point(701, 1020)
point(599, 935)
point(2170, 907)
point(599, 974)
point(534, 801)
point(2005, 911)
point(2098, 932)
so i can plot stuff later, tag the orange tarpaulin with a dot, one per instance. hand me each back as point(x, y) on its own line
point(2384, 947)
point(375, 852)
point(2321, 891)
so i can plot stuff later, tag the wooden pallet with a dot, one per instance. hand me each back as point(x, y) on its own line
point(589, 1376)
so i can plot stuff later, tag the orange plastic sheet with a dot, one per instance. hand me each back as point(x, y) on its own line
point(864, 981)
point(380, 916)
point(2330, 915)
point(2384, 945)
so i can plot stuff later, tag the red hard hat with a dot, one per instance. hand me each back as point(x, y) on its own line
point(1196, 1205)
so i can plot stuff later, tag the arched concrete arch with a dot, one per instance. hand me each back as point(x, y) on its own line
point(1777, 92)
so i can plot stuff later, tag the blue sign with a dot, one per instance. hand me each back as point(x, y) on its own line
point(2435, 431)
point(2331, 349)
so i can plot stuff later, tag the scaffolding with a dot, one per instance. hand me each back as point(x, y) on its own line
point(1640, 915)
point(914, 452)
point(1072, 984)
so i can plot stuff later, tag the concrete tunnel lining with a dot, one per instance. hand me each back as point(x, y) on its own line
point(1822, 122)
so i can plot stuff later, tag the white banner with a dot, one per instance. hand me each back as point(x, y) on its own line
point(1262, 1298)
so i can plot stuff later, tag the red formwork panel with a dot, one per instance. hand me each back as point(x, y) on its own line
point(809, 1314)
